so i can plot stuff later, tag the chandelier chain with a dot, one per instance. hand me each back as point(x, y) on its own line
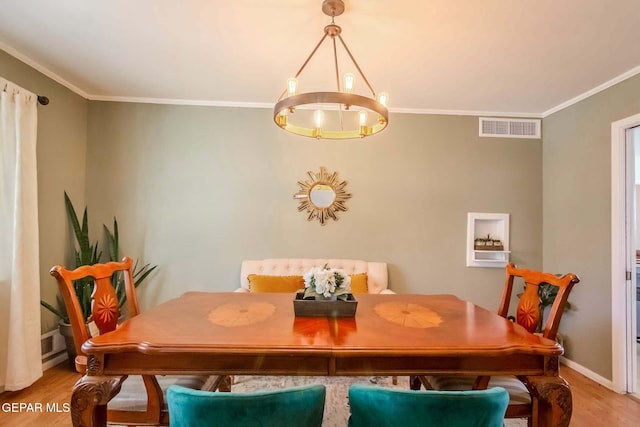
point(305, 63)
point(335, 61)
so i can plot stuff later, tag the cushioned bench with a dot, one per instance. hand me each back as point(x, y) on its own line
point(377, 277)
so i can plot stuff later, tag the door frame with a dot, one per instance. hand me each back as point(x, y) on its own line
point(622, 294)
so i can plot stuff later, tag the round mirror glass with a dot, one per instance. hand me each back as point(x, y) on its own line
point(322, 196)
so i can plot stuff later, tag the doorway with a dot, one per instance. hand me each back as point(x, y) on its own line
point(632, 137)
point(625, 241)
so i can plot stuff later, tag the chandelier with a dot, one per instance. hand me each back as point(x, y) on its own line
point(348, 115)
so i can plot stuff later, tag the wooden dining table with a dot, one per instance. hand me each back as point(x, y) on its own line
point(259, 334)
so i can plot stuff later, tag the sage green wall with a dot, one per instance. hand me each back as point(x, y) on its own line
point(61, 150)
point(577, 215)
point(198, 189)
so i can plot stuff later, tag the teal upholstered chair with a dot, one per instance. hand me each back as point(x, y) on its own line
point(377, 406)
point(296, 406)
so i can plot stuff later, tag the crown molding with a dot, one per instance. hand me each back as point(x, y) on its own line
point(464, 113)
point(193, 102)
point(268, 105)
point(44, 70)
point(622, 77)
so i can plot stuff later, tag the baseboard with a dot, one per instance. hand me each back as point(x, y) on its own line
point(587, 373)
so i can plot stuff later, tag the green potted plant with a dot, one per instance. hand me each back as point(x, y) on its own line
point(480, 243)
point(87, 254)
point(139, 272)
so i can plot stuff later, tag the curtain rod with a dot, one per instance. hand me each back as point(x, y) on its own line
point(42, 100)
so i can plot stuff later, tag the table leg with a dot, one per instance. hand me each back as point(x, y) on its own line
point(554, 400)
point(225, 385)
point(414, 382)
point(418, 381)
point(218, 383)
point(89, 399)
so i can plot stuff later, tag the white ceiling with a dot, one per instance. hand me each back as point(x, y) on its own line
point(517, 57)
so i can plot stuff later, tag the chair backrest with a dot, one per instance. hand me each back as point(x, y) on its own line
point(371, 405)
point(105, 309)
point(528, 313)
point(297, 406)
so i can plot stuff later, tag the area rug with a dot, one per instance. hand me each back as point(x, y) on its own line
point(336, 408)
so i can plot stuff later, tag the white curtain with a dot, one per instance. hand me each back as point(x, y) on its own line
point(19, 258)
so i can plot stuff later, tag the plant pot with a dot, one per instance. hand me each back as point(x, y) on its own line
point(329, 298)
point(324, 308)
point(67, 333)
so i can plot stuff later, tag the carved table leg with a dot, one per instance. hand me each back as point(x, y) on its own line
point(89, 399)
point(554, 400)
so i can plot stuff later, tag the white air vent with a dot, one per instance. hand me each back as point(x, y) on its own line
point(53, 348)
point(509, 128)
point(51, 343)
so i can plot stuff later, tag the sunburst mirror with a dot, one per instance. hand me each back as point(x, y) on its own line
point(322, 195)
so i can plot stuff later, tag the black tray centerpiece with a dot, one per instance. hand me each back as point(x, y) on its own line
point(326, 293)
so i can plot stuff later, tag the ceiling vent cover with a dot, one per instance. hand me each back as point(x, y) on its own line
point(509, 128)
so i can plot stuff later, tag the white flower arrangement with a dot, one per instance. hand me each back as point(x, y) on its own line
point(326, 282)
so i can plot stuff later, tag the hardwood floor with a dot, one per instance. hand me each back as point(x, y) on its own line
point(54, 388)
point(593, 404)
point(597, 406)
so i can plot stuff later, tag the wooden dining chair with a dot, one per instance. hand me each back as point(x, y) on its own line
point(382, 407)
point(301, 406)
point(528, 315)
point(141, 399)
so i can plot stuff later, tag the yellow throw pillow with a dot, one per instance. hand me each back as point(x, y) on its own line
point(359, 283)
point(277, 284)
